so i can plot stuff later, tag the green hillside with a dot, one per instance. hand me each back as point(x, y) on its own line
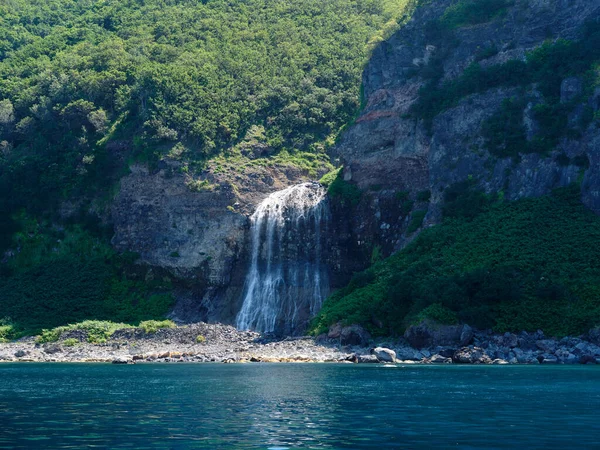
point(525, 265)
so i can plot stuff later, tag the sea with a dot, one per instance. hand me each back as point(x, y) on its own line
point(298, 406)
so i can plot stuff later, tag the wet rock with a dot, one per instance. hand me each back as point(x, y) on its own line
point(431, 334)
point(335, 331)
point(367, 359)
point(587, 359)
point(447, 352)
point(439, 359)
point(546, 345)
point(509, 340)
point(468, 355)
point(499, 362)
point(121, 360)
point(354, 335)
point(407, 353)
point(52, 348)
point(547, 359)
point(384, 354)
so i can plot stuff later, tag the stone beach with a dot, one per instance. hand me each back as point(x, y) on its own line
point(202, 342)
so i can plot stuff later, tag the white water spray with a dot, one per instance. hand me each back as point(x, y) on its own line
point(286, 283)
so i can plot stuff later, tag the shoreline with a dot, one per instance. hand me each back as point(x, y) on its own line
point(216, 343)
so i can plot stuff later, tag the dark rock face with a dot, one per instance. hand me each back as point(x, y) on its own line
point(430, 334)
point(354, 335)
point(391, 154)
point(198, 237)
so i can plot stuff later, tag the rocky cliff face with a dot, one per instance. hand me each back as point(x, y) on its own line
point(393, 154)
point(195, 233)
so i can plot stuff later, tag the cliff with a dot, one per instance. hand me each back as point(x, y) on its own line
point(499, 94)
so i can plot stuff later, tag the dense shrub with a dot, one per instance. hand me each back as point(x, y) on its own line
point(154, 73)
point(344, 191)
point(547, 66)
point(523, 265)
point(68, 276)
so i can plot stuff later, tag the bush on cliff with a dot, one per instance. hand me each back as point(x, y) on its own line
point(525, 265)
point(68, 276)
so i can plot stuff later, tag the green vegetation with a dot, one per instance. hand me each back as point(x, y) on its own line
point(152, 326)
point(344, 191)
point(177, 78)
point(546, 66)
point(416, 220)
point(473, 12)
point(200, 339)
point(98, 331)
point(7, 330)
point(524, 265)
point(439, 314)
point(69, 275)
point(70, 342)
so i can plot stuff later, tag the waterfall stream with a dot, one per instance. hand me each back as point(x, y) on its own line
point(286, 282)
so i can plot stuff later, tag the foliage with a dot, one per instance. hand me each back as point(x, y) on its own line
point(152, 326)
point(330, 177)
point(344, 191)
point(523, 265)
point(68, 276)
point(416, 220)
point(70, 342)
point(424, 196)
point(158, 75)
point(98, 331)
point(546, 66)
point(473, 12)
point(438, 313)
point(7, 330)
point(200, 339)
point(464, 200)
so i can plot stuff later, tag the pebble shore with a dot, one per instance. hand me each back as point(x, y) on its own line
point(224, 344)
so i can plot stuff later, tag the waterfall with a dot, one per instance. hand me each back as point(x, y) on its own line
point(286, 282)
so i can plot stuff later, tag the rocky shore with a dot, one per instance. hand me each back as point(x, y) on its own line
point(427, 343)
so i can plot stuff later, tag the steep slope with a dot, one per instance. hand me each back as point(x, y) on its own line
point(474, 105)
point(503, 93)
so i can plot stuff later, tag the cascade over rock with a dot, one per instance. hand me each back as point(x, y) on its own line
point(286, 282)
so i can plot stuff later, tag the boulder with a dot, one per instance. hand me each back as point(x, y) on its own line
point(546, 345)
point(587, 359)
point(439, 359)
point(121, 360)
point(384, 354)
point(547, 359)
point(499, 361)
point(468, 355)
point(447, 352)
point(21, 353)
point(367, 359)
point(594, 335)
point(408, 354)
point(431, 334)
point(354, 335)
point(566, 357)
point(335, 331)
point(52, 348)
point(509, 340)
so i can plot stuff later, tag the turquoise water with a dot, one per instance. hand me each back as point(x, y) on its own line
point(277, 406)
